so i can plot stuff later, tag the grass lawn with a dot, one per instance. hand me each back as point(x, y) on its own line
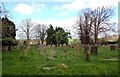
point(77, 65)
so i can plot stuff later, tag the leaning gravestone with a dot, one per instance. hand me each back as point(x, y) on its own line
point(86, 48)
point(87, 56)
point(94, 50)
point(53, 51)
point(64, 45)
point(78, 49)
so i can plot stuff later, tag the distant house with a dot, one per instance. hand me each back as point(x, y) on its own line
point(111, 38)
point(33, 42)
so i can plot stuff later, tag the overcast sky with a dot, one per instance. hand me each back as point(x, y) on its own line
point(62, 13)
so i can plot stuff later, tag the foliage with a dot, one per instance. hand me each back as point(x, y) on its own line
point(61, 36)
point(8, 32)
point(57, 36)
point(50, 35)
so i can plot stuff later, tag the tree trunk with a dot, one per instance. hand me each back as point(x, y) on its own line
point(95, 38)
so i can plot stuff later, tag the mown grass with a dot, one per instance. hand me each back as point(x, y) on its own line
point(77, 65)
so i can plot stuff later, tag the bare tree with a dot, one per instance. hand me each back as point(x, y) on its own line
point(101, 23)
point(94, 22)
point(41, 32)
point(27, 29)
point(3, 11)
point(84, 25)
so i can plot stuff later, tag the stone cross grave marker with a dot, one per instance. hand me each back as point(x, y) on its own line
point(64, 45)
point(78, 49)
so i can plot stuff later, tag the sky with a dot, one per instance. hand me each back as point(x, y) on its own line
point(59, 13)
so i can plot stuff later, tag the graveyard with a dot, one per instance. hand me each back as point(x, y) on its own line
point(59, 61)
point(71, 37)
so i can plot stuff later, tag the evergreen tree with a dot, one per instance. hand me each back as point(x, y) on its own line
point(8, 33)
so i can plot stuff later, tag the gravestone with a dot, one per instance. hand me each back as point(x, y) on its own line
point(27, 51)
point(44, 51)
point(112, 47)
point(87, 56)
point(53, 51)
point(19, 45)
point(78, 49)
point(94, 50)
point(64, 45)
point(86, 48)
point(38, 44)
point(41, 49)
point(60, 45)
point(49, 46)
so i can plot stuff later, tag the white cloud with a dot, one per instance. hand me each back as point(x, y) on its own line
point(27, 9)
point(80, 4)
point(24, 9)
point(77, 4)
point(63, 14)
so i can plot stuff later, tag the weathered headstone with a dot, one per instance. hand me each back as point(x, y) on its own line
point(112, 47)
point(64, 45)
point(60, 45)
point(87, 56)
point(27, 51)
point(53, 51)
point(49, 46)
point(78, 49)
point(41, 49)
point(19, 45)
point(94, 50)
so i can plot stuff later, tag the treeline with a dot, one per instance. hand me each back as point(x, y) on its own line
point(57, 36)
